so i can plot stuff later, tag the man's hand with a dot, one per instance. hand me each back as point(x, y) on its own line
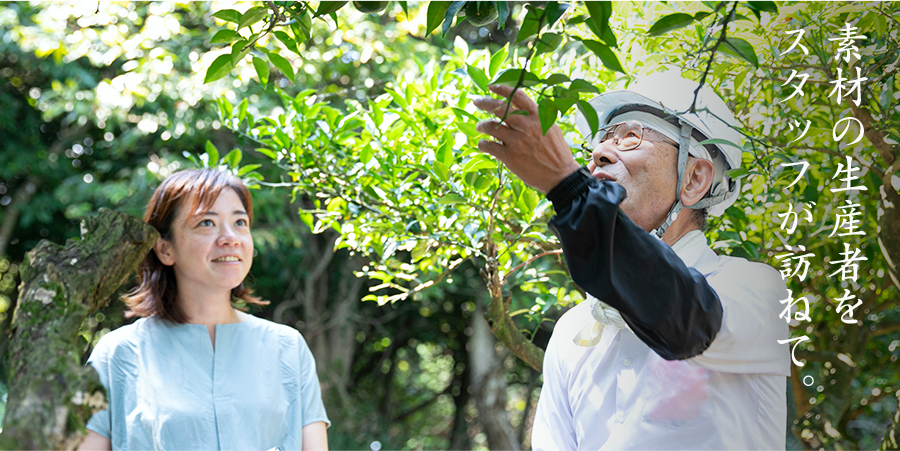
point(541, 161)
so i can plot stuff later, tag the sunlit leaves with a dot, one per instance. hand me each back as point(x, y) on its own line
point(670, 22)
point(262, 70)
point(283, 65)
point(219, 68)
point(547, 111)
point(224, 36)
point(435, 15)
point(252, 16)
point(740, 49)
point(606, 55)
point(228, 15)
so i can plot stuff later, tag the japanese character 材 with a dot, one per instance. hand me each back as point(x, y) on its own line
point(847, 44)
point(849, 267)
point(796, 43)
point(847, 220)
point(849, 177)
point(847, 314)
point(855, 85)
point(792, 217)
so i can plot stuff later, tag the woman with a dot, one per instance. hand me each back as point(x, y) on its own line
point(194, 372)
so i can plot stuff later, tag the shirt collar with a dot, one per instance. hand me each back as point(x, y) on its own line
point(690, 247)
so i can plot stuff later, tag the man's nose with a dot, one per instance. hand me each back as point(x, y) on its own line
point(605, 153)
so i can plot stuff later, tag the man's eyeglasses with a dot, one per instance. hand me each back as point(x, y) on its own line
point(626, 136)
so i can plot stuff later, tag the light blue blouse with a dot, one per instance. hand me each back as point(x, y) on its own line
point(168, 388)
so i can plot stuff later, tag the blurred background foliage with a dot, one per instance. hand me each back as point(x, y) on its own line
point(356, 130)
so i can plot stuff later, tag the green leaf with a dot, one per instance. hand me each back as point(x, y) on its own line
point(441, 170)
point(529, 23)
point(740, 49)
point(283, 65)
point(579, 85)
point(701, 15)
point(502, 14)
point(250, 167)
point(445, 152)
point(554, 10)
point(737, 173)
point(718, 141)
point(405, 8)
point(301, 28)
point(233, 158)
point(220, 67)
point(262, 70)
point(479, 161)
point(590, 115)
point(564, 103)
point(452, 9)
point(548, 42)
point(326, 8)
point(669, 23)
point(267, 152)
point(435, 13)
point(600, 13)
point(510, 77)
point(237, 50)
point(228, 15)
point(478, 77)
point(224, 37)
point(252, 16)
point(497, 60)
point(556, 79)
point(212, 153)
point(288, 42)
point(606, 55)
point(547, 112)
point(451, 199)
point(769, 7)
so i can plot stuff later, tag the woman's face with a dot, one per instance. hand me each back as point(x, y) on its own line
point(210, 251)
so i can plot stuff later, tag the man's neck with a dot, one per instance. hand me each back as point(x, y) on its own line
point(679, 228)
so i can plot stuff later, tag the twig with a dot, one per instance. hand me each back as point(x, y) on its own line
point(520, 265)
point(712, 55)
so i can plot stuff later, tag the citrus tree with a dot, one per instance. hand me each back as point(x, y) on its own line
point(399, 176)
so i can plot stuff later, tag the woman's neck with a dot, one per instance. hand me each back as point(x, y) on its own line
point(206, 308)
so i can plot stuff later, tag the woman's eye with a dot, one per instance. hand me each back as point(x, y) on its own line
point(241, 222)
point(206, 223)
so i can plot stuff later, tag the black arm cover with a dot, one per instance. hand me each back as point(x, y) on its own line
point(669, 306)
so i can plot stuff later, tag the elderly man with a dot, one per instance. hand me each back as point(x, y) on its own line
point(675, 347)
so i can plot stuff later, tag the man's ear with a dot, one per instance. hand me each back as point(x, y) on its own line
point(698, 178)
point(164, 251)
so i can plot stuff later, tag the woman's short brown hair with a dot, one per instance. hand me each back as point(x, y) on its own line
point(196, 189)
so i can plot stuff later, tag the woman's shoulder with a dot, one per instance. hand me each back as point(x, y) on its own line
point(272, 330)
point(123, 341)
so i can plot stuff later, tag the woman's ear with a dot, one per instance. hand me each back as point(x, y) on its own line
point(164, 251)
point(698, 178)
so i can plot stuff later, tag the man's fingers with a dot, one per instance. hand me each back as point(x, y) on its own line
point(497, 130)
point(520, 100)
point(492, 148)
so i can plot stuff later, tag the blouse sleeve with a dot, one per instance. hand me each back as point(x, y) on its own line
point(100, 422)
point(310, 391)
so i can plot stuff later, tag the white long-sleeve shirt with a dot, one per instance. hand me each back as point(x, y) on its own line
point(620, 394)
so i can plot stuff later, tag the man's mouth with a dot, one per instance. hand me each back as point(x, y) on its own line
point(600, 175)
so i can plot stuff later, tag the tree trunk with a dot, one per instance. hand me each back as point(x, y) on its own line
point(489, 386)
point(51, 395)
point(892, 436)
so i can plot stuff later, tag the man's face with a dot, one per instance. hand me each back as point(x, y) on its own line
point(648, 174)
